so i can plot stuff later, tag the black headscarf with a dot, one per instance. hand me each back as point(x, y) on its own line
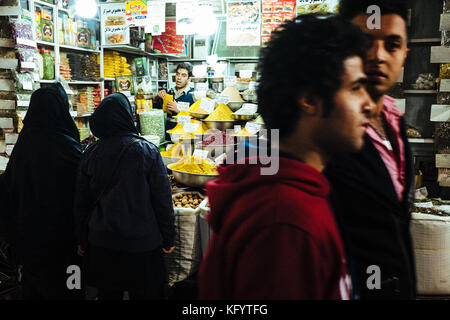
point(113, 117)
point(40, 177)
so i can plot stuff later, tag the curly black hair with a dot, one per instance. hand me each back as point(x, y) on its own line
point(307, 55)
point(185, 65)
point(348, 9)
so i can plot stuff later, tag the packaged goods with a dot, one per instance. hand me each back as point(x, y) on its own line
point(187, 200)
point(218, 138)
point(167, 98)
point(221, 113)
point(233, 93)
point(152, 123)
point(46, 28)
point(22, 31)
point(425, 81)
point(196, 165)
point(27, 59)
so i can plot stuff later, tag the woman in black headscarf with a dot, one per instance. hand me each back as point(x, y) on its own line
point(124, 216)
point(40, 180)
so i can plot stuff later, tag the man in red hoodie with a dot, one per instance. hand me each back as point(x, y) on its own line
point(274, 236)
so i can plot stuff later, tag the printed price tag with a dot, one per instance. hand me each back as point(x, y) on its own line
point(190, 127)
point(201, 153)
point(222, 99)
point(27, 65)
point(229, 81)
point(73, 113)
point(249, 108)
point(207, 105)
point(27, 85)
point(237, 129)
point(245, 74)
point(9, 149)
point(183, 119)
point(202, 86)
point(252, 128)
point(252, 85)
point(183, 106)
point(199, 94)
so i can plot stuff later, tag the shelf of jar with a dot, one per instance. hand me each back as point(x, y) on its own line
point(45, 43)
point(43, 3)
point(66, 47)
point(84, 82)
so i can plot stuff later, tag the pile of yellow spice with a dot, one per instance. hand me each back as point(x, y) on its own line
point(178, 129)
point(196, 165)
point(174, 151)
point(221, 113)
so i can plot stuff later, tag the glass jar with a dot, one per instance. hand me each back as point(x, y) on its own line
point(49, 71)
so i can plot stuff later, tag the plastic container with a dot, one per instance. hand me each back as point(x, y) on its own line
point(40, 62)
point(152, 123)
point(49, 71)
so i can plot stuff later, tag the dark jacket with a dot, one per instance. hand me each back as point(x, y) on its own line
point(135, 212)
point(374, 223)
point(40, 180)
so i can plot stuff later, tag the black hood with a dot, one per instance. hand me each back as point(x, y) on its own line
point(113, 117)
point(49, 111)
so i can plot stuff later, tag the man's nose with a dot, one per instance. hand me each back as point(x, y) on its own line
point(377, 52)
point(368, 103)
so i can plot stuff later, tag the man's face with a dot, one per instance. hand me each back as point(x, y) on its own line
point(388, 51)
point(343, 129)
point(181, 78)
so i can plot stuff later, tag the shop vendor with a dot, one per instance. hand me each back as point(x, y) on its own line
point(180, 93)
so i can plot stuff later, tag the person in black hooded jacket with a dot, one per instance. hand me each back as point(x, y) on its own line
point(40, 183)
point(124, 217)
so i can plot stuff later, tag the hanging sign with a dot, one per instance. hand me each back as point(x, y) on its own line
point(113, 24)
point(185, 14)
point(243, 23)
point(156, 17)
point(136, 12)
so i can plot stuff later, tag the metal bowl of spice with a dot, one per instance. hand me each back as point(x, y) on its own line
point(192, 179)
point(219, 124)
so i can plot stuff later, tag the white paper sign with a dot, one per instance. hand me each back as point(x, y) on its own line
point(156, 17)
point(202, 86)
point(249, 108)
point(207, 105)
point(169, 146)
point(199, 94)
point(245, 74)
point(185, 13)
point(27, 65)
point(36, 77)
point(27, 85)
point(252, 85)
point(220, 159)
point(26, 42)
point(9, 149)
point(183, 119)
point(237, 129)
point(190, 127)
point(222, 99)
point(252, 128)
point(201, 153)
point(73, 113)
point(115, 30)
point(229, 81)
point(183, 106)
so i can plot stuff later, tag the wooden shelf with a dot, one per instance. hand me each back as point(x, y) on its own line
point(10, 11)
point(420, 140)
point(420, 91)
point(425, 40)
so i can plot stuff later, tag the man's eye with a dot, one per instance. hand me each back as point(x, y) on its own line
point(392, 46)
point(357, 88)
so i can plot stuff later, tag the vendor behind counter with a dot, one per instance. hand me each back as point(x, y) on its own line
point(181, 93)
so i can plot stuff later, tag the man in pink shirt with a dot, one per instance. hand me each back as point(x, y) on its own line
point(373, 189)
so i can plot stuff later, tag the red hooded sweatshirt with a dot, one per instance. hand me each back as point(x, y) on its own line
point(273, 237)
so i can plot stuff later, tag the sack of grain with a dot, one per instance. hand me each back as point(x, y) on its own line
point(431, 241)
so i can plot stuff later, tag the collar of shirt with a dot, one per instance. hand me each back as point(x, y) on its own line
point(185, 91)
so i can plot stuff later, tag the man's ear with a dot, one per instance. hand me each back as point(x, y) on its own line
point(308, 104)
